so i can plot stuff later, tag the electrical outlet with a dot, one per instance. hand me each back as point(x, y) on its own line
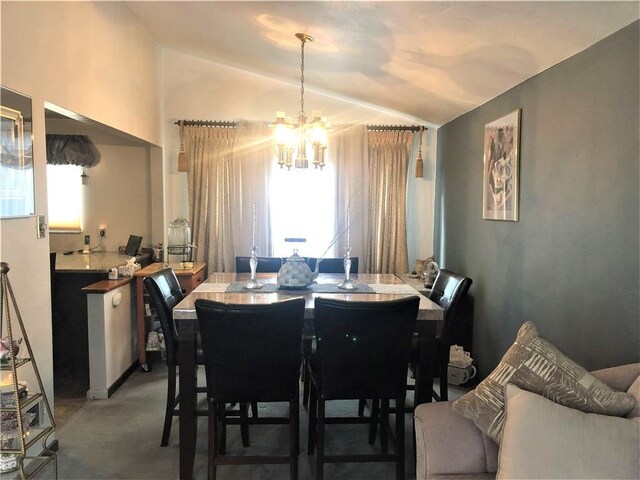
point(102, 230)
point(41, 227)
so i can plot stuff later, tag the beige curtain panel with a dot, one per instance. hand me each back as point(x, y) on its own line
point(213, 183)
point(389, 154)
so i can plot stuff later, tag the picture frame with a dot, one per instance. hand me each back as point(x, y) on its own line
point(501, 168)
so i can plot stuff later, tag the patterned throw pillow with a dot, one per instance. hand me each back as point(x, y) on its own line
point(534, 364)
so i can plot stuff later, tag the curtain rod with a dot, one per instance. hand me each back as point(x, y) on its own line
point(207, 123)
point(228, 124)
point(408, 128)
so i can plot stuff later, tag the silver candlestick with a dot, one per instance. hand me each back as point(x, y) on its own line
point(347, 283)
point(253, 284)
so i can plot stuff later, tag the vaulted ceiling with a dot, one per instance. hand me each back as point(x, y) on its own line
point(428, 59)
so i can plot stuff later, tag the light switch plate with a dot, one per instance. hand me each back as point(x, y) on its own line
point(41, 227)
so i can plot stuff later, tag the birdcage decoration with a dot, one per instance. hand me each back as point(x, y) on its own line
point(180, 245)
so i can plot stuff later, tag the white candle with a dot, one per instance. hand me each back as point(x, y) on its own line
point(253, 234)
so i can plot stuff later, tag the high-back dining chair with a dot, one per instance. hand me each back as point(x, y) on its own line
point(252, 354)
point(449, 291)
point(165, 293)
point(327, 265)
point(362, 352)
point(333, 265)
point(265, 264)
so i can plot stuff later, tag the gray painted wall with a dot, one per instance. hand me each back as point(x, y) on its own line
point(571, 264)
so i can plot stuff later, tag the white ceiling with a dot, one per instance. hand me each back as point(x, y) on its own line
point(428, 59)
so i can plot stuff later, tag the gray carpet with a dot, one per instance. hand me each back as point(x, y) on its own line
point(119, 438)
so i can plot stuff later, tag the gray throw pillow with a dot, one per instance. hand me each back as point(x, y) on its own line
point(534, 364)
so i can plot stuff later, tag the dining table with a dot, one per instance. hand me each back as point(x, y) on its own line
point(229, 288)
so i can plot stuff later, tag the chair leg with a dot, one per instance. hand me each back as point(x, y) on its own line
point(305, 385)
point(384, 424)
point(244, 425)
point(375, 414)
point(213, 418)
point(444, 366)
point(294, 437)
point(400, 438)
point(171, 403)
point(320, 440)
point(254, 409)
point(222, 443)
point(362, 403)
point(313, 408)
point(307, 347)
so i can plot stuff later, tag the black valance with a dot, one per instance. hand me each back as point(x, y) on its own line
point(71, 150)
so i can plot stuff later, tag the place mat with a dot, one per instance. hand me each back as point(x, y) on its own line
point(315, 288)
point(400, 289)
point(211, 287)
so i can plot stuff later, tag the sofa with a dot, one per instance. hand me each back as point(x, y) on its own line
point(450, 446)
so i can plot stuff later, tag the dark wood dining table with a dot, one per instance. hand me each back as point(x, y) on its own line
point(226, 287)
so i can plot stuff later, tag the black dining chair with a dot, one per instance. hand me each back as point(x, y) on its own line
point(327, 265)
point(333, 265)
point(362, 352)
point(265, 264)
point(165, 293)
point(251, 354)
point(449, 291)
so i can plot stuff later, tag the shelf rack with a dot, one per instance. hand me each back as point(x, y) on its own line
point(17, 443)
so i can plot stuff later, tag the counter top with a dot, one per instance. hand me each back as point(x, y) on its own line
point(98, 262)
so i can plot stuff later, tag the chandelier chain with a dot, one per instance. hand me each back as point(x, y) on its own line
point(302, 79)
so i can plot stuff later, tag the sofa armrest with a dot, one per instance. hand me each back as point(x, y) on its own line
point(448, 443)
point(620, 377)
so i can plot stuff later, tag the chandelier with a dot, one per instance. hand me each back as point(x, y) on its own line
point(303, 138)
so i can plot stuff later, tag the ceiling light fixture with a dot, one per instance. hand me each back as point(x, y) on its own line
point(300, 138)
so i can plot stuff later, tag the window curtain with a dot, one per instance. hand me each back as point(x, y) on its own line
point(253, 151)
point(386, 237)
point(214, 190)
point(349, 153)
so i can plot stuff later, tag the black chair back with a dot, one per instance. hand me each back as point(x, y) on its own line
point(251, 352)
point(363, 347)
point(449, 290)
point(333, 265)
point(265, 264)
point(165, 293)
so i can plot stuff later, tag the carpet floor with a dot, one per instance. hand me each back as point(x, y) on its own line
point(119, 438)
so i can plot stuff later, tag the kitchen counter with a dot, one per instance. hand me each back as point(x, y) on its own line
point(74, 272)
point(98, 262)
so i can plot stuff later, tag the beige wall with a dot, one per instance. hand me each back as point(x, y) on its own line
point(93, 59)
point(199, 89)
point(117, 195)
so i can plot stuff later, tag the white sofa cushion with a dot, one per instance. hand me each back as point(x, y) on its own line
point(542, 439)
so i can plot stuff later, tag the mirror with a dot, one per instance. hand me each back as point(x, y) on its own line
point(16, 160)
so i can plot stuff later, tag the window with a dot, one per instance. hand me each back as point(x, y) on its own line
point(302, 203)
point(64, 193)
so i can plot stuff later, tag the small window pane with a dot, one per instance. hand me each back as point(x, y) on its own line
point(64, 186)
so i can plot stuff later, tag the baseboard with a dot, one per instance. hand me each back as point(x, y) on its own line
point(127, 373)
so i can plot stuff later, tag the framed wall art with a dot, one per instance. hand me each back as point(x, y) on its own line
point(501, 168)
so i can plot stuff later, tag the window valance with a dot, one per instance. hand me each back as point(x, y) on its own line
point(71, 150)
